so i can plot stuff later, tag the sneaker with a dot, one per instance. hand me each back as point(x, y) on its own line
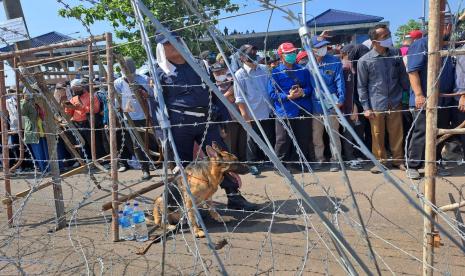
point(334, 167)
point(443, 172)
point(122, 168)
point(375, 170)
point(413, 174)
point(254, 170)
point(145, 176)
point(355, 165)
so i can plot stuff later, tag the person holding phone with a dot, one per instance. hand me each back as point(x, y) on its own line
point(290, 90)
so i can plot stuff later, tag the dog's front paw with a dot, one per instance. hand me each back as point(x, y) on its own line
point(200, 234)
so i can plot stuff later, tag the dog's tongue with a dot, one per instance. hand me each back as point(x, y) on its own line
point(236, 178)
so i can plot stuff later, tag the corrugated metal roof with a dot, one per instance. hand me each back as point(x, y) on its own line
point(42, 40)
point(334, 17)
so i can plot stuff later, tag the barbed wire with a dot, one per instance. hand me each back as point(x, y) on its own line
point(267, 253)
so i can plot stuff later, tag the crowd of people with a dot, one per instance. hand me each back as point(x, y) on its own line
point(380, 89)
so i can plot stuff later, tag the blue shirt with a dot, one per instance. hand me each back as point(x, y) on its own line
point(331, 71)
point(418, 61)
point(280, 84)
point(254, 83)
point(185, 90)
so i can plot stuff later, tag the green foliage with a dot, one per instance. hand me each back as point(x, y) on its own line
point(172, 13)
point(405, 29)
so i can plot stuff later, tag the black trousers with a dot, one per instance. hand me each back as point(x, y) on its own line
point(185, 136)
point(347, 143)
point(254, 153)
point(284, 147)
point(416, 149)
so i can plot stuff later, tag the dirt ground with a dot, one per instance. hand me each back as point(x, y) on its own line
point(277, 240)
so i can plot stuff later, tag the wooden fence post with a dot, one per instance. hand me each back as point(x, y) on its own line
point(434, 64)
point(113, 144)
point(5, 147)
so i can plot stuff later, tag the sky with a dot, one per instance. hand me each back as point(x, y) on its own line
point(42, 15)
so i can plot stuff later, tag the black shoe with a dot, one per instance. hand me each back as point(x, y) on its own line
point(238, 202)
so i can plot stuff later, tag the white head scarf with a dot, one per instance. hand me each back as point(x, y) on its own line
point(165, 65)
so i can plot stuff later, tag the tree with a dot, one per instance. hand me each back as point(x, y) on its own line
point(172, 13)
point(405, 29)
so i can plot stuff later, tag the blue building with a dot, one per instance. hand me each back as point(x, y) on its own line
point(347, 27)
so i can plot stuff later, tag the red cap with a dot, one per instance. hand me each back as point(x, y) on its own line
point(286, 47)
point(301, 55)
point(416, 34)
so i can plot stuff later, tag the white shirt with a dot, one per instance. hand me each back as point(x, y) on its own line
point(255, 85)
point(11, 106)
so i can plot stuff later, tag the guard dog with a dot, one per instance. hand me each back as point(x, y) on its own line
point(204, 179)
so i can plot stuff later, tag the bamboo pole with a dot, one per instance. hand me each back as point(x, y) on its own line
point(123, 199)
point(113, 145)
point(67, 44)
point(451, 131)
point(5, 147)
point(447, 136)
point(434, 64)
point(92, 111)
point(25, 192)
point(452, 206)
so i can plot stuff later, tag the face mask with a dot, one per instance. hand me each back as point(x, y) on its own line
point(252, 58)
point(303, 61)
point(387, 43)
point(290, 58)
point(221, 78)
point(321, 52)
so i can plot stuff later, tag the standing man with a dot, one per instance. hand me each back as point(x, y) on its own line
point(253, 79)
point(290, 91)
point(417, 68)
point(79, 108)
point(381, 80)
point(232, 132)
point(187, 101)
point(135, 110)
point(331, 69)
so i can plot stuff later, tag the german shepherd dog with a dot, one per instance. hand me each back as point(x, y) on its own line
point(204, 179)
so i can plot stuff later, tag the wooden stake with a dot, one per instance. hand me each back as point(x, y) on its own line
point(92, 111)
point(434, 64)
point(113, 144)
point(5, 147)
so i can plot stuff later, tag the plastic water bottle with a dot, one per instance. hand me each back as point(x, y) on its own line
point(128, 231)
point(125, 226)
point(140, 228)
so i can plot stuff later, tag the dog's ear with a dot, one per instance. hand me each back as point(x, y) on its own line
point(211, 152)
